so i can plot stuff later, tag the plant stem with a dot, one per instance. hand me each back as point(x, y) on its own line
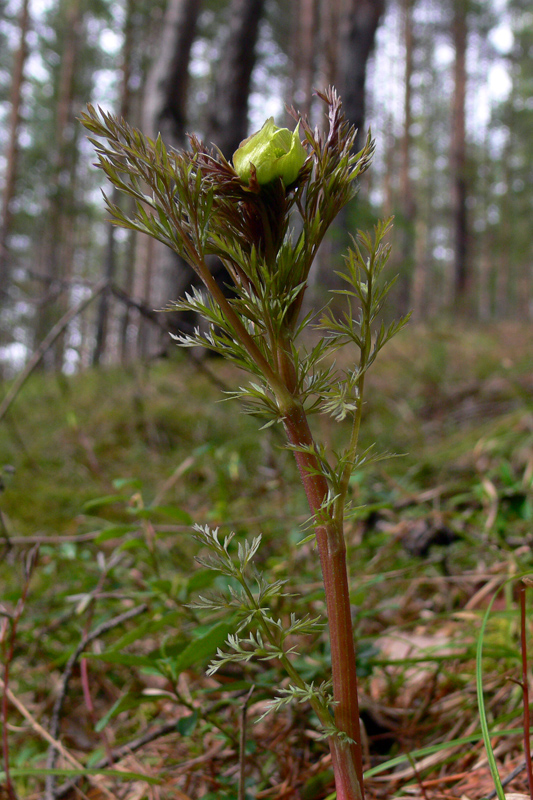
point(525, 687)
point(320, 710)
point(366, 346)
point(352, 449)
point(347, 758)
point(230, 314)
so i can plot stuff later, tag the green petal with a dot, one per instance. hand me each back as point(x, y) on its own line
point(274, 152)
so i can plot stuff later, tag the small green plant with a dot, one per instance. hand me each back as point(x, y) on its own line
point(265, 217)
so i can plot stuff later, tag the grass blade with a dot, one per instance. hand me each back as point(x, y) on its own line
point(481, 704)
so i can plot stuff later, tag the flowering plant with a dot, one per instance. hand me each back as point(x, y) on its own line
point(201, 205)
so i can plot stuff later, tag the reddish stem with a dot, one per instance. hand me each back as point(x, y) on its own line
point(347, 760)
point(525, 688)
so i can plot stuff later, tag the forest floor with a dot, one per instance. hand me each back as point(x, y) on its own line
point(107, 471)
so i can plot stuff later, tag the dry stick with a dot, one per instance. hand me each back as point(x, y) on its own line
point(43, 733)
point(4, 533)
point(46, 736)
point(8, 657)
point(242, 744)
point(67, 674)
point(98, 288)
point(124, 750)
point(417, 777)
point(46, 344)
point(180, 470)
point(167, 326)
point(148, 313)
point(525, 688)
point(176, 528)
point(507, 780)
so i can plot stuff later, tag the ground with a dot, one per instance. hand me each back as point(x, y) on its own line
point(107, 472)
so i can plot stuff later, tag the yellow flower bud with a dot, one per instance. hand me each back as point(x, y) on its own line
point(273, 152)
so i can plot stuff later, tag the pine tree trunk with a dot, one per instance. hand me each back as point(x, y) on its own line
point(165, 111)
point(58, 245)
point(358, 34)
point(358, 24)
point(458, 153)
point(228, 121)
point(104, 307)
point(12, 148)
point(227, 126)
point(303, 40)
point(407, 239)
point(165, 105)
point(330, 28)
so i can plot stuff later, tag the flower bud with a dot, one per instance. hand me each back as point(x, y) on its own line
point(273, 152)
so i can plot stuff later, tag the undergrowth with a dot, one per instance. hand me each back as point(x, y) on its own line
point(107, 472)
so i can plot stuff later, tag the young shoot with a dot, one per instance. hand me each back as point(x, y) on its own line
point(246, 213)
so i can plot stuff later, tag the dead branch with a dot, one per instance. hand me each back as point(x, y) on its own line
point(46, 344)
point(67, 674)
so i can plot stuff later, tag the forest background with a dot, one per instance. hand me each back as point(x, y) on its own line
point(107, 468)
point(445, 87)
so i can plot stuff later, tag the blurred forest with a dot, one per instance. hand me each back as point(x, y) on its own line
point(446, 87)
point(105, 470)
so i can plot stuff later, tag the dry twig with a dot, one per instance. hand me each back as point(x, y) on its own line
point(67, 674)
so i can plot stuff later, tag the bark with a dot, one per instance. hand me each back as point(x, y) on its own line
point(458, 152)
point(228, 121)
point(12, 147)
point(331, 14)
point(304, 30)
point(406, 187)
point(227, 126)
point(357, 37)
point(165, 108)
point(127, 322)
point(406, 243)
point(58, 252)
point(157, 269)
point(102, 318)
point(102, 322)
point(359, 20)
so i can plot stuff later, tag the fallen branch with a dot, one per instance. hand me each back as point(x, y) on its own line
point(124, 750)
point(46, 344)
point(67, 674)
point(21, 708)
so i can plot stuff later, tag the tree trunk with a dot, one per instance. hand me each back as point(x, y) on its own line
point(165, 106)
point(104, 307)
point(330, 28)
point(228, 121)
point(406, 244)
point(357, 37)
point(458, 151)
point(304, 29)
point(165, 111)
point(406, 188)
point(59, 243)
point(359, 21)
point(12, 148)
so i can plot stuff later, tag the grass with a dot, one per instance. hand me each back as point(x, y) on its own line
point(110, 468)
